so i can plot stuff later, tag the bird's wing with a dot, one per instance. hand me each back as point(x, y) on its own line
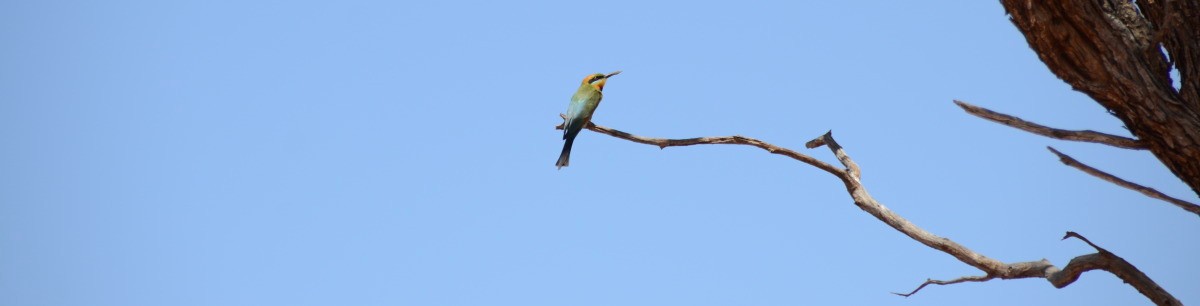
point(576, 107)
point(574, 119)
point(578, 112)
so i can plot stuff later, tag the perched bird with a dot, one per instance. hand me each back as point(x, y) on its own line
point(583, 104)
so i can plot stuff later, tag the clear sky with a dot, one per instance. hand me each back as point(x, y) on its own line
point(402, 153)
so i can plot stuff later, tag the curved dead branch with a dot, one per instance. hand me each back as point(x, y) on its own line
point(992, 267)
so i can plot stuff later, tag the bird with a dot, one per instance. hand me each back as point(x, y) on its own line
point(579, 113)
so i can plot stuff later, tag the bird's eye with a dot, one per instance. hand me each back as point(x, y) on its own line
point(594, 79)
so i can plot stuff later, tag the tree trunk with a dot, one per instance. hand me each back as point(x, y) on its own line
point(1112, 51)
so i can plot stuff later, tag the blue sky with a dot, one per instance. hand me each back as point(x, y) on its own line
point(402, 153)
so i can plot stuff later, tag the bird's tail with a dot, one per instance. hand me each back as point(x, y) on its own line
point(565, 157)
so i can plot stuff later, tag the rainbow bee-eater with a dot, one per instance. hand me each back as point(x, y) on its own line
point(583, 104)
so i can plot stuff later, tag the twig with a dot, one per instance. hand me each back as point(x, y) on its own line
point(1085, 135)
point(1085, 240)
point(981, 278)
point(1150, 192)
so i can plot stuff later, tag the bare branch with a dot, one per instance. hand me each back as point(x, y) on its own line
point(1150, 192)
point(1085, 135)
point(991, 267)
point(981, 278)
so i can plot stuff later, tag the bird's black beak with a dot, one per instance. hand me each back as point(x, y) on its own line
point(612, 74)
